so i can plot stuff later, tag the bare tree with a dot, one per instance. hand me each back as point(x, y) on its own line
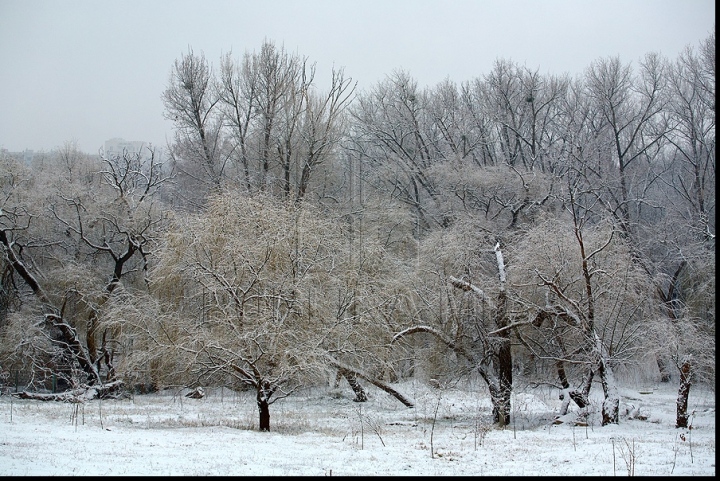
point(523, 106)
point(471, 320)
point(192, 104)
point(239, 95)
point(588, 298)
point(683, 250)
point(251, 290)
point(631, 110)
point(71, 157)
point(124, 229)
point(58, 341)
point(279, 75)
point(391, 129)
point(58, 252)
point(323, 126)
point(282, 129)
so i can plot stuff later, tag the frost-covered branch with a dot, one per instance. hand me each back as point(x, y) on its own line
point(467, 286)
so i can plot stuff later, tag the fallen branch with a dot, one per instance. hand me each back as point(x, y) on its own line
point(75, 395)
point(385, 387)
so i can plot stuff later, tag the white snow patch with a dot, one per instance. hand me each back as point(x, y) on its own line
point(323, 430)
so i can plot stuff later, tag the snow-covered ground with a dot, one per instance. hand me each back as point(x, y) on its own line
point(322, 432)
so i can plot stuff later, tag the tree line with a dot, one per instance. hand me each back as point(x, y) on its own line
point(519, 224)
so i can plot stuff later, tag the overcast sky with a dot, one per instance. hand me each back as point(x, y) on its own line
point(92, 70)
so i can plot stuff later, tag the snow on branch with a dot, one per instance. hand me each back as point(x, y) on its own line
point(501, 265)
point(467, 286)
point(415, 329)
point(442, 337)
point(511, 326)
point(80, 395)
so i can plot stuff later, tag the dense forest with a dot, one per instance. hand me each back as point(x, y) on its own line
point(525, 226)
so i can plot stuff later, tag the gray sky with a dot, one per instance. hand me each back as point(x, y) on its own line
point(90, 70)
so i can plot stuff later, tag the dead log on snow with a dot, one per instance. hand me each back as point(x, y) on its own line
point(75, 395)
point(376, 382)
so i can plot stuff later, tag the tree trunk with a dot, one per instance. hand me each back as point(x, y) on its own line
point(611, 403)
point(264, 392)
point(669, 302)
point(70, 340)
point(579, 396)
point(500, 398)
point(505, 386)
point(264, 408)
point(501, 390)
point(108, 357)
point(504, 357)
point(360, 394)
point(72, 343)
point(683, 394)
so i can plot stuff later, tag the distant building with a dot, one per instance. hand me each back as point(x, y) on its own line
point(25, 156)
point(117, 147)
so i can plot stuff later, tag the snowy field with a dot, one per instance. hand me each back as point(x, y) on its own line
point(322, 432)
